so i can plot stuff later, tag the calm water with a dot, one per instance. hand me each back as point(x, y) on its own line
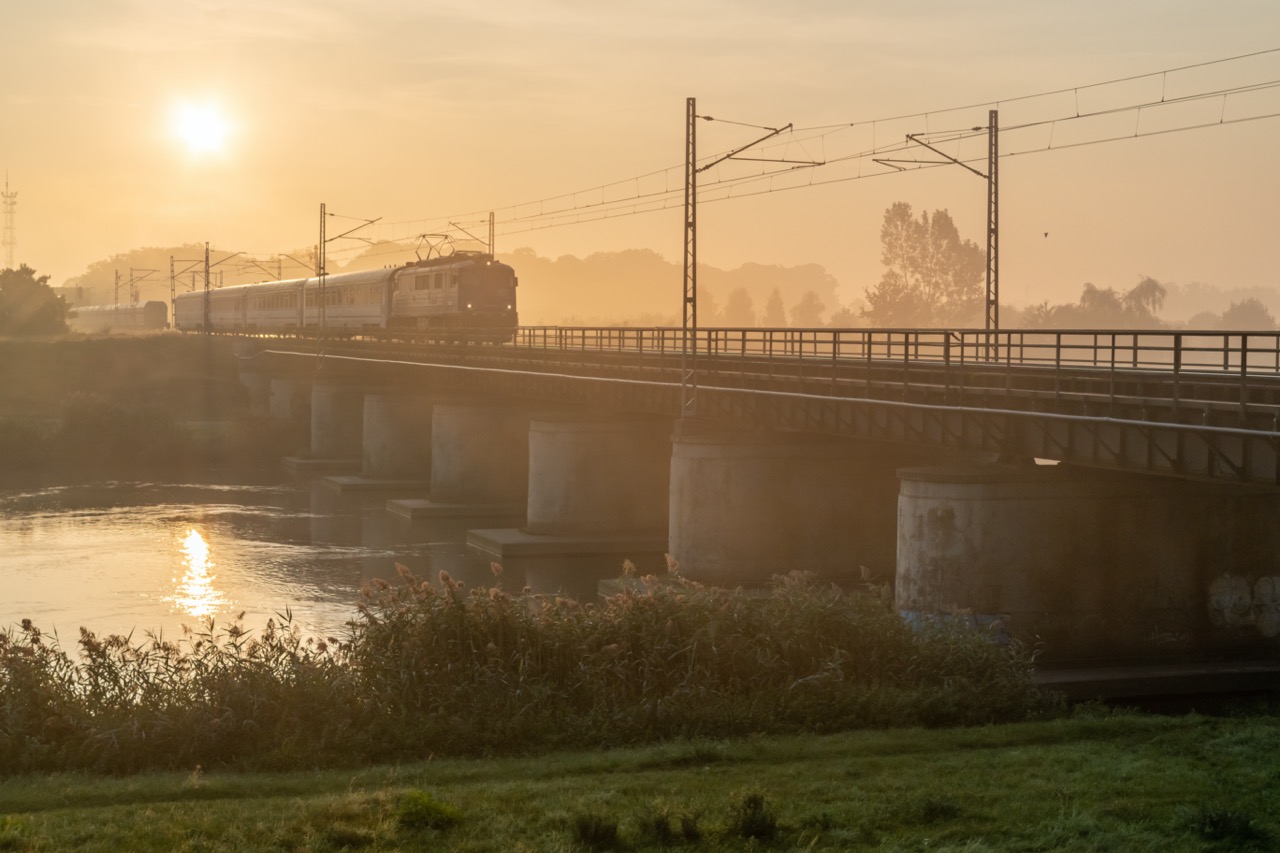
point(122, 557)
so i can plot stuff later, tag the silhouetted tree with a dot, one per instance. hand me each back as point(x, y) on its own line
point(739, 310)
point(775, 314)
point(1144, 300)
point(1038, 316)
point(1248, 315)
point(709, 312)
point(1205, 320)
point(847, 317)
point(28, 306)
point(807, 313)
point(931, 277)
point(1102, 308)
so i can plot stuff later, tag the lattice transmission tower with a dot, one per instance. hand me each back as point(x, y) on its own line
point(10, 228)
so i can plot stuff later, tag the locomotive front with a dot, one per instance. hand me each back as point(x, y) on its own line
point(487, 298)
point(466, 295)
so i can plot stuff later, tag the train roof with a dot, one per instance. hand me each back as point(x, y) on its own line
point(376, 276)
point(360, 277)
point(123, 306)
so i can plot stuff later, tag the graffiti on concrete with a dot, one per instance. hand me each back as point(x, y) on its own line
point(1237, 602)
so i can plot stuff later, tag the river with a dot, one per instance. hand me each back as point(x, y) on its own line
point(123, 557)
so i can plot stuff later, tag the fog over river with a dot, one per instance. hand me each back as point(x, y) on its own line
point(138, 557)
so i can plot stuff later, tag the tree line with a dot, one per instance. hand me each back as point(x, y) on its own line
point(28, 306)
point(934, 278)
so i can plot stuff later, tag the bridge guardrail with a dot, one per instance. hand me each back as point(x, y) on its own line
point(1246, 354)
point(1200, 351)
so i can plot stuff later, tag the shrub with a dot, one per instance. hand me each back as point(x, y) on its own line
point(439, 668)
point(1227, 829)
point(418, 810)
point(753, 819)
point(595, 831)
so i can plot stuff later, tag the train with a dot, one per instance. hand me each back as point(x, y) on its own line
point(129, 317)
point(464, 296)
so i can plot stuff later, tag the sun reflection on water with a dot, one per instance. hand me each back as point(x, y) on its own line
point(196, 594)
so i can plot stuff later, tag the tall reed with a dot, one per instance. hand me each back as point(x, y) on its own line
point(437, 668)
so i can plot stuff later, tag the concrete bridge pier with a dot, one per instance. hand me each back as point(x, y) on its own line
point(746, 506)
point(257, 383)
point(479, 464)
point(597, 496)
point(395, 443)
point(1091, 564)
point(337, 421)
point(290, 399)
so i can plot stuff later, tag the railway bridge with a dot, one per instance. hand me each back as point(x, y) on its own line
point(1109, 493)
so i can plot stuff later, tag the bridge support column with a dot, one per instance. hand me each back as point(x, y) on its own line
point(748, 506)
point(258, 384)
point(597, 496)
point(396, 435)
point(479, 464)
point(290, 399)
point(1092, 564)
point(337, 421)
point(395, 442)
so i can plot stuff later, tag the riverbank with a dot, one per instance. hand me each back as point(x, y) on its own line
point(1114, 782)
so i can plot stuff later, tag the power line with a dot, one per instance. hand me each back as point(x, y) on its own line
point(661, 189)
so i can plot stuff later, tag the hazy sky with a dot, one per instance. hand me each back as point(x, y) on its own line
point(418, 111)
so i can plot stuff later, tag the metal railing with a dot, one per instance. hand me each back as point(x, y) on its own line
point(1228, 352)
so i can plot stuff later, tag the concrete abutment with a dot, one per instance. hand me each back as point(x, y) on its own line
point(290, 399)
point(597, 496)
point(1090, 564)
point(479, 464)
point(746, 506)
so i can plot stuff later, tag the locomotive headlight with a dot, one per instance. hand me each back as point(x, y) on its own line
point(468, 306)
point(508, 307)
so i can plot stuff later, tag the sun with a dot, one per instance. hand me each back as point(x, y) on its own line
point(201, 127)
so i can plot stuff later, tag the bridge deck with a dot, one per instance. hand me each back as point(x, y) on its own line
point(1190, 404)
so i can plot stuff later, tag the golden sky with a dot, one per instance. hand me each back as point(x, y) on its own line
point(128, 123)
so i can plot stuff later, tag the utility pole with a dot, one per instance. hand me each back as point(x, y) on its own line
point(992, 321)
point(173, 293)
point(689, 327)
point(689, 304)
point(10, 227)
point(322, 256)
point(117, 290)
point(491, 233)
point(320, 269)
point(993, 223)
point(208, 303)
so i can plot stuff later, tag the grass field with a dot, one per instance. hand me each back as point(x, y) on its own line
point(1126, 782)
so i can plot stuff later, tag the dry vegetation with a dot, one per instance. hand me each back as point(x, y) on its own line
point(438, 669)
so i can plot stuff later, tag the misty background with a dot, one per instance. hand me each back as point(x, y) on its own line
point(642, 287)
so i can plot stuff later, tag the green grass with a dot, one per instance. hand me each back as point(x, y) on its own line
point(1122, 782)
